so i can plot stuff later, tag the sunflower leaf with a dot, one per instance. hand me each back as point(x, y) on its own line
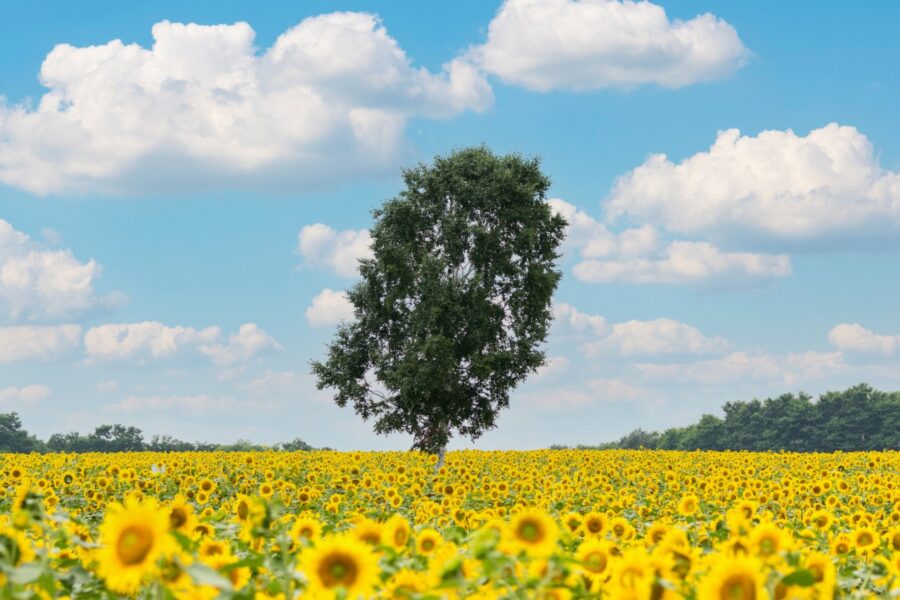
point(206, 575)
point(800, 577)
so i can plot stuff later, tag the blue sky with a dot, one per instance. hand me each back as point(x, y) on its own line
point(155, 269)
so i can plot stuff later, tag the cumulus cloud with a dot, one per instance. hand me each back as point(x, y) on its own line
point(641, 255)
point(571, 322)
point(28, 395)
point(329, 308)
point(273, 382)
point(857, 338)
point(775, 186)
point(632, 338)
point(553, 367)
point(614, 390)
point(204, 108)
point(741, 366)
point(25, 342)
point(587, 45)
point(151, 339)
point(249, 341)
point(687, 262)
point(38, 283)
point(659, 336)
point(339, 251)
point(594, 391)
point(145, 339)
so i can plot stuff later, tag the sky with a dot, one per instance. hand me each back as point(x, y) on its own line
point(185, 189)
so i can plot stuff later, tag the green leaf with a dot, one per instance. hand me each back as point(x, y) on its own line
point(206, 575)
point(801, 577)
point(25, 574)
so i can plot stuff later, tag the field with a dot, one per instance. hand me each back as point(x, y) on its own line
point(542, 524)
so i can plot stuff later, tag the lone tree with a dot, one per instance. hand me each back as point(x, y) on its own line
point(450, 311)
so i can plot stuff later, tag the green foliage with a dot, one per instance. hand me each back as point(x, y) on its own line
point(858, 418)
point(451, 310)
point(13, 438)
point(117, 438)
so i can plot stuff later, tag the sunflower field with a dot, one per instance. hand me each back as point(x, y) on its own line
point(539, 524)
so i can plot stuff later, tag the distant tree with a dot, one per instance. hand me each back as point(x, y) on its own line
point(116, 438)
point(13, 438)
point(295, 445)
point(455, 302)
point(858, 418)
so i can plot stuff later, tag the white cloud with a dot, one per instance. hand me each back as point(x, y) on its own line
point(148, 338)
point(204, 108)
point(687, 262)
point(28, 395)
point(274, 382)
point(567, 397)
point(777, 186)
point(323, 247)
point(37, 342)
point(632, 338)
point(570, 321)
point(553, 367)
point(857, 338)
point(329, 308)
point(592, 44)
point(614, 390)
point(640, 255)
point(740, 366)
point(41, 283)
point(249, 341)
point(200, 404)
point(651, 338)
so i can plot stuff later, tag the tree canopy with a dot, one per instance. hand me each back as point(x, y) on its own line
point(858, 418)
point(451, 310)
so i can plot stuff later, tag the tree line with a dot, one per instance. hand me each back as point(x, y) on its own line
point(858, 418)
point(117, 438)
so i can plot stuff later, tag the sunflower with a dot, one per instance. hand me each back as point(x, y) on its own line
point(306, 528)
point(368, 531)
point(533, 531)
point(594, 524)
point(427, 541)
point(340, 565)
point(181, 516)
point(767, 540)
point(594, 557)
point(738, 578)
point(395, 533)
point(689, 505)
point(841, 544)
point(865, 540)
point(133, 536)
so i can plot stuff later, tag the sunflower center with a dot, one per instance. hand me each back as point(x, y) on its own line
point(594, 525)
point(531, 531)
point(338, 569)
point(768, 546)
point(864, 539)
point(177, 518)
point(243, 510)
point(595, 562)
point(427, 545)
point(400, 536)
point(134, 544)
point(738, 587)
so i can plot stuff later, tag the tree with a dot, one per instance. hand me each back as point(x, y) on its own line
point(13, 438)
point(451, 309)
